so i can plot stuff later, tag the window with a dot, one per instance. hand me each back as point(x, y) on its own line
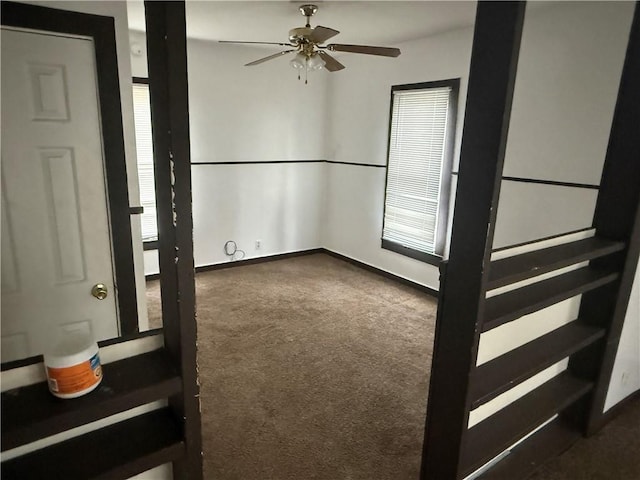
point(144, 151)
point(419, 169)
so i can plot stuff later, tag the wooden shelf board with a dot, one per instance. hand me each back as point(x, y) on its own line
point(30, 413)
point(522, 301)
point(506, 371)
point(548, 442)
point(493, 435)
point(520, 267)
point(118, 451)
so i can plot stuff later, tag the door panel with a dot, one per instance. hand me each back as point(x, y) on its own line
point(61, 198)
point(54, 198)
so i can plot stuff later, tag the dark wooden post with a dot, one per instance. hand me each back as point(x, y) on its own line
point(168, 84)
point(494, 59)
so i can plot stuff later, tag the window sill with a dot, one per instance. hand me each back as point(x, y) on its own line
point(430, 258)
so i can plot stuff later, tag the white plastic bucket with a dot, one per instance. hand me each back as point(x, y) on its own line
point(73, 366)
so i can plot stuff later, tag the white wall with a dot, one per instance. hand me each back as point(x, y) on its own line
point(254, 114)
point(625, 378)
point(278, 204)
point(247, 115)
point(570, 64)
point(358, 131)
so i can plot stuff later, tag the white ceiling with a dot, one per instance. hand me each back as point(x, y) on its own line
point(361, 22)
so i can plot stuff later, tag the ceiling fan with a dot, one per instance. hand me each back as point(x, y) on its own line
point(311, 55)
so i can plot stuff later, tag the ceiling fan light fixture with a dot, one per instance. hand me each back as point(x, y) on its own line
point(311, 54)
point(299, 61)
point(315, 62)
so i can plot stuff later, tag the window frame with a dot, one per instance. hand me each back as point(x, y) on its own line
point(446, 177)
point(151, 244)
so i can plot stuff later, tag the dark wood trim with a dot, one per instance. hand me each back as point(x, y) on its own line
point(168, 85)
point(547, 182)
point(429, 258)
point(617, 217)
point(514, 304)
point(494, 60)
point(551, 182)
point(355, 164)
point(267, 162)
point(281, 256)
point(445, 179)
point(514, 367)
point(30, 413)
point(141, 80)
point(548, 442)
point(257, 162)
point(127, 338)
point(424, 85)
point(422, 288)
point(25, 362)
point(543, 239)
point(254, 261)
point(150, 245)
point(617, 409)
point(508, 425)
point(352, 261)
point(531, 264)
point(118, 451)
point(102, 31)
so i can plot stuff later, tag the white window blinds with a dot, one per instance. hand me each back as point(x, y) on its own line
point(414, 176)
point(144, 151)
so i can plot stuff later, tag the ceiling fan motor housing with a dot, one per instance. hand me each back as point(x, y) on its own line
point(300, 34)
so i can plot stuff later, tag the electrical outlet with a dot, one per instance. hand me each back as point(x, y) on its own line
point(258, 244)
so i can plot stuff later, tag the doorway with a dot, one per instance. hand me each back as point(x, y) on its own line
point(67, 248)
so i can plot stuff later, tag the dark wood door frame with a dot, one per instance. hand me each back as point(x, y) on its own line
point(102, 31)
point(168, 88)
point(167, 434)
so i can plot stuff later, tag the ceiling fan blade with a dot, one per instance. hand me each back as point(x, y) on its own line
point(330, 63)
point(258, 43)
point(322, 34)
point(366, 49)
point(270, 57)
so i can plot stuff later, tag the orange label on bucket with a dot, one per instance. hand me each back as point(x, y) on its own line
point(75, 378)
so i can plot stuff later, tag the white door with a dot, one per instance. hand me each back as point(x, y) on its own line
point(56, 243)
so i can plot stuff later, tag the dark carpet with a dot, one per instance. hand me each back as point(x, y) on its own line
point(611, 454)
point(311, 368)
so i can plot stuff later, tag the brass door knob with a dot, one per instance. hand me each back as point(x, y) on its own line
point(99, 291)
